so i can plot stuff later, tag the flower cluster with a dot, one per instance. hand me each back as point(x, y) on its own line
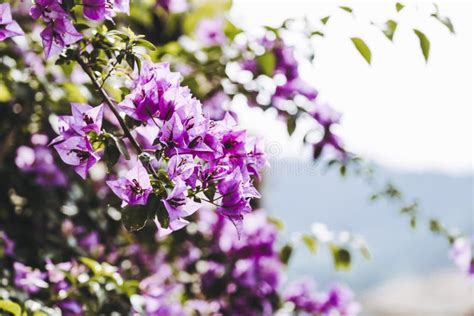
point(73, 143)
point(339, 300)
point(201, 155)
point(8, 26)
point(462, 254)
point(98, 10)
point(38, 160)
point(220, 274)
point(59, 31)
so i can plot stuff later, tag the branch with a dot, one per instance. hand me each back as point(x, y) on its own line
point(115, 111)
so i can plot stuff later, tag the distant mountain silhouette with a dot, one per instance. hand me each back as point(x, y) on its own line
point(300, 194)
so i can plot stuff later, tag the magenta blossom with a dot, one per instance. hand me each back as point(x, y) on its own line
point(86, 118)
point(134, 188)
point(49, 10)
point(28, 279)
point(57, 35)
point(99, 10)
point(8, 26)
point(211, 31)
point(462, 254)
point(77, 151)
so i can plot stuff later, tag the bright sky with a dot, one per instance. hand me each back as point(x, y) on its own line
point(399, 112)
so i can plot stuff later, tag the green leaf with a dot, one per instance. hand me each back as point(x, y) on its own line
point(319, 33)
point(424, 43)
point(443, 20)
point(130, 58)
point(399, 6)
point(363, 49)
point(134, 217)
point(210, 192)
point(291, 125)
point(285, 253)
point(4, 93)
point(267, 63)
point(390, 28)
point(310, 242)
point(95, 267)
point(275, 221)
point(10, 307)
point(163, 216)
point(341, 257)
point(325, 19)
point(111, 154)
point(122, 147)
point(347, 9)
point(146, 44)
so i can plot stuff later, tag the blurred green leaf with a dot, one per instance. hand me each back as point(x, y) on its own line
point(399, 6)
point(363, 49)
point(310, 242)
point(267, 63)
point(424, 43)
point(134, 217)
point(4, 93)
point(10, 307)
point(291, 124)
point(325, 19)
point(443, 19)
point(285, 253)
point(390, 28)
point(347, 9)
point(341, 257)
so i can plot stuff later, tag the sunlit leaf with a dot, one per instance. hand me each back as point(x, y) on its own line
point(10, 307)
point(390, 28)
point(267, 63)
point(347, 9)
point(424, 43)
point(363, 49)
point(399, 6)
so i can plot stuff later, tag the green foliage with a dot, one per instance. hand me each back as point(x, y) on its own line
point(267, 63)
point(285, 253)
point(424, 44)
point(446, 21)
point(347, 9)
point(10, 307)
point(363, 49)
point(390, 28)
point(291, 125)
point(399, 6)
point(341, 257)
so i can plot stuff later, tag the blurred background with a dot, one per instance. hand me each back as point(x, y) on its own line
point(413, 120)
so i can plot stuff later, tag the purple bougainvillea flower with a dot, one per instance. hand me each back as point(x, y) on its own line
point(461, 253)
point(28, 279)
point(98, 10)
point(173, 6)
point(8, 26)
point(211, 31)
point(86, 118)
point(182, 167)
point(178, 204)
point(70, 307)
point(49, 10)
point(215, 106)
point(94, 9)
point(326, 115)
point(77, 151)
point(57, 35)
point(134, 188)
point(7, 244)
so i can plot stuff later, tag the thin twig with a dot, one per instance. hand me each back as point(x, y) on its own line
point(115, 111)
